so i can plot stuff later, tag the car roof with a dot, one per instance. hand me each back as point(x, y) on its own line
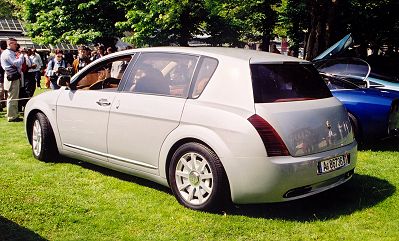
point(253, 56)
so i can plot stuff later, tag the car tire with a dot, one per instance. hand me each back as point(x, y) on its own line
point(197, 177)
point(356, 129)
point(44, 147)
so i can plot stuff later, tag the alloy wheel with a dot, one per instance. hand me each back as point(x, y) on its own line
point(37, 138)
point(194, 178)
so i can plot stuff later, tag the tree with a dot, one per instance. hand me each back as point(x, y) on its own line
point(372, 22)
point(259, 18)
point(8, 9)
point(54, 21)
point(163, 22)
point(294, 19)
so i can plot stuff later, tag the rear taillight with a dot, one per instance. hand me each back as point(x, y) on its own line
point(271, 139)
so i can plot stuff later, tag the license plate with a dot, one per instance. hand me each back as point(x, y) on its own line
point(333, 164)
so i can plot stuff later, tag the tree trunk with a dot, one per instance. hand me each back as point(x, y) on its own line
point(323, 29)
point(265, 42)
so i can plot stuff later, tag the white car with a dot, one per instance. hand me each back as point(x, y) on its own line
point(214, 124)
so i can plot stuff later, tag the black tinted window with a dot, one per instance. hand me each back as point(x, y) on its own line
point(287, 82)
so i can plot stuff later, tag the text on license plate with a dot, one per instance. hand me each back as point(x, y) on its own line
point(333, 164)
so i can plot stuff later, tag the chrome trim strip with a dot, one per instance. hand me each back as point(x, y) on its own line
point(111, 156)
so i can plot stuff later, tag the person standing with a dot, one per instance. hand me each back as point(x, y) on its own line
point(12, 81)
point(30, 78)
point(3, 46)
point(82, 60)
point(36, 60)
point(52, 68)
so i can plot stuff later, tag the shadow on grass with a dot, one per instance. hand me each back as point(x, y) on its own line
point(389, 144)
point(116, 174)
point(360, 192)
point(11, 231)
point(357, 194)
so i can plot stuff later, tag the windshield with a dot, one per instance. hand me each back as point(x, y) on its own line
point(353, 68)
point(287, 82)
point(337, 83)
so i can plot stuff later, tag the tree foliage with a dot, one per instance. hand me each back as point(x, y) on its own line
point(319, 23)
point(163, 22)
point(315, 24)
point(9, 8)
point(53, 21)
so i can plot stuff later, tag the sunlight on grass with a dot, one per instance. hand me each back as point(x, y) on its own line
point(72, 200)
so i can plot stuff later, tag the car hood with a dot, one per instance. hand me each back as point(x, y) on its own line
point(336, 49)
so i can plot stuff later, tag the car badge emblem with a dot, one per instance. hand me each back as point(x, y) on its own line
point(328, 125)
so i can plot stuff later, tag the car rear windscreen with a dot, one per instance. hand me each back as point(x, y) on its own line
point(287, 82)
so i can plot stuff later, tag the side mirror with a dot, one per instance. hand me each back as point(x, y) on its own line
point(64, 80)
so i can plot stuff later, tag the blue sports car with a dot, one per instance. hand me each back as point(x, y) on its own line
point(374, 113)
point(372, 100)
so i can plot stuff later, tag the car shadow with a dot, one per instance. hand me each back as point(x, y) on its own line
point(360, 192)
point(112, 173)
point(388, 144)
point(12, 231)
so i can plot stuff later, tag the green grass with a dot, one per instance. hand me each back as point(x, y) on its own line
point(72, 200)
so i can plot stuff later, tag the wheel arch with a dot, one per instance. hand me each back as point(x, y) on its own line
point(29, 120)
point(177, 138)
point(357, 125)
point(175, 146)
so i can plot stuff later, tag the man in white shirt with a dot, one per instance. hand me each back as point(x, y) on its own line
point(30, 78)
point(12, 64)
point(36, 60)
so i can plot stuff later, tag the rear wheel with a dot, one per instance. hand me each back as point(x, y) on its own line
point(197, 177)
point(44, 147)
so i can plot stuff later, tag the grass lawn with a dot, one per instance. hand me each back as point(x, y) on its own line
point(72, 200)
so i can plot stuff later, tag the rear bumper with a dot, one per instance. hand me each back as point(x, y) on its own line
point(278, 179)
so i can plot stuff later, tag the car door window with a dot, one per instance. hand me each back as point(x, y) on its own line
point(162, 74)
point(104, 75)
point(207, 67)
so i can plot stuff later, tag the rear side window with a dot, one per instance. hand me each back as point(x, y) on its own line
point(206, 70)
point(287, 82)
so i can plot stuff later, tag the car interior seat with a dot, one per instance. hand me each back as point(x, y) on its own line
point(152, 82)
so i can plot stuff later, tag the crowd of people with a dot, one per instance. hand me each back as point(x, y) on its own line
point(21, 70)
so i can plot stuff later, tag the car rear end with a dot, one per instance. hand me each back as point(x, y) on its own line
point(305, 132)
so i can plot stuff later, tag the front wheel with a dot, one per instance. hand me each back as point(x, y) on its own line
point(44, 147)
point(197, 177)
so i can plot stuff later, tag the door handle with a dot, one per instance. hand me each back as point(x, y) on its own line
point(103, 102)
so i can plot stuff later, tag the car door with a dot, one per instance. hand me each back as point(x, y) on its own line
point(148, 109)
point(82, 113)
